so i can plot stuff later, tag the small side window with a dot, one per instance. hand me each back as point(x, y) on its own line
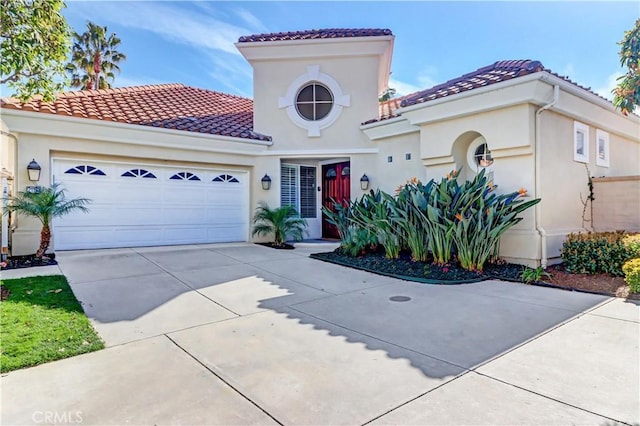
point(580, 142)
point(602, 148)
point(482, 156)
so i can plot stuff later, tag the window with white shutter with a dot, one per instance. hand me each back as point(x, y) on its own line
point(308, 192)
point(298, 189)
point(289, 186)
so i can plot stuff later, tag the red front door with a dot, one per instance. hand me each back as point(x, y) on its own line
point(336, 185)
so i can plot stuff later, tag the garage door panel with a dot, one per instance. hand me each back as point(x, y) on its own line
point(100, 237)
point(182, 215)
point(99, 215)
point(185, 235)
point(226, 215)
point(184, 194)
point(221, 234)
point(224, 199)
point(143, 211)
point(132, 236)
point(136, 194)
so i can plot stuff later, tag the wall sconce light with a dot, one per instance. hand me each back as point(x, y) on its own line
point(34, 169)
point(266, 182)
point(364, 182)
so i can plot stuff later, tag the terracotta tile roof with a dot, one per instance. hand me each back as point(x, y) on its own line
point(317, 34)
point(495, 73)
point(169, 106)
point(491, 74)
point(387, 109)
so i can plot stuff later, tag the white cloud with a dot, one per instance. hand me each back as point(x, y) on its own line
point(251, 20)
point(427, 77)
point(424, 80)
point(403, 88)
point(232, 72)
point(606, 88)
point(202, 28)
point(172, 23)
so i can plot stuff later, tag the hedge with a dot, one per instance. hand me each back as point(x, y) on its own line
point(599, 252)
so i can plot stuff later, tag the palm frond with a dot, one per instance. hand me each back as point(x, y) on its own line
point(282, 222)
point(45, 205)
point(94, 57)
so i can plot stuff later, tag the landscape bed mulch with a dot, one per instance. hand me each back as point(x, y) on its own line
point(425, 272)
point(283, 246)
point(29, 261)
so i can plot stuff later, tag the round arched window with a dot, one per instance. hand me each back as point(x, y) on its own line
point(482, 156)
point(314, 101)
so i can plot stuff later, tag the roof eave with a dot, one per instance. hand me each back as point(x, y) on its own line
point(316, 48)
point(130, 126)
point(542, 75)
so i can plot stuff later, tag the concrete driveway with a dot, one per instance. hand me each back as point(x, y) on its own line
point(243, 334)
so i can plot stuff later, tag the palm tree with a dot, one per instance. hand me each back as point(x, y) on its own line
point(45, 205)
point(281, 222)
point(94, 58)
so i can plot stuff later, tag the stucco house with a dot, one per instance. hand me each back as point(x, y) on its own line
point(170, 164)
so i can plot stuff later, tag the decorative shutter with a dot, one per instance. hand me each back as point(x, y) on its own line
point(308, 192)
point(289, 186)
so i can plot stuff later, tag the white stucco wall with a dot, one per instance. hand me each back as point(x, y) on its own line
point(505, 116)
point(44, 136)
point(509, 134)
point(358, 67)
point(564, 180)
point(392, 174)
point(357, 78)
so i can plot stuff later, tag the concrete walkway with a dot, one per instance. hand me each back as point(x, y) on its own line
point(243, 334)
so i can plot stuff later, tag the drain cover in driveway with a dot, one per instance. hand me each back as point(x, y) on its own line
point(399, 298)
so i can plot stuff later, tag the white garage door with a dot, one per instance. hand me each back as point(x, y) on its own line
point(142, 205)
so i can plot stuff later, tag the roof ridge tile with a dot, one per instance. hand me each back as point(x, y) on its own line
point(316, 33)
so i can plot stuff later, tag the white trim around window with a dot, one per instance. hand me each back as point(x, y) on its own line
point(580, 142)
point(602, 148)
point(313, 75)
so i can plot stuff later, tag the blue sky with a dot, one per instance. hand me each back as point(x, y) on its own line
point(193, 42)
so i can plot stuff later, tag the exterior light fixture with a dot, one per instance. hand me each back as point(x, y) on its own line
point(266, 182)
point(34, 169)
point(364, 182)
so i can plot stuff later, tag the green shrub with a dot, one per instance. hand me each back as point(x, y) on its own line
point(445, 218)
point(338, 215)
point(372, 212)
point(426, 213)
point(632, 243)
point(531, 275)
point(597, 252)
point(481, 218)
point(354, 221)
point(282, 222)
point(631, 270)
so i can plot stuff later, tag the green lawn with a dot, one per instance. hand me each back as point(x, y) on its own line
point(42, 321)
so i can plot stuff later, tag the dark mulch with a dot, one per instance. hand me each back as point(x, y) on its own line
point(453, 273)
point(404, 266)
point(16, 262)
point(283, 246)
